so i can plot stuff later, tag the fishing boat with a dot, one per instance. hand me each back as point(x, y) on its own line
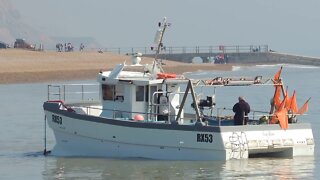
point(127, 121)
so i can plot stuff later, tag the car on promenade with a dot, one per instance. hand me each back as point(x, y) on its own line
point(21, 43)
point(4, 45)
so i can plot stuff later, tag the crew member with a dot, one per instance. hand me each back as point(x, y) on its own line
point(241, 110)
point(163, 111)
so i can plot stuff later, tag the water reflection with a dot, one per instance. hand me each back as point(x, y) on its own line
point(259, 168)
point(262, 168)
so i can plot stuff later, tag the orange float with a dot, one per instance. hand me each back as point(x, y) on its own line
point(166, 75)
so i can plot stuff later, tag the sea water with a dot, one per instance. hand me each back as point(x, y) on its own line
point(22, 137)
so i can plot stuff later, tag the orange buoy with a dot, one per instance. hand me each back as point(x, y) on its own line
point(138, 117)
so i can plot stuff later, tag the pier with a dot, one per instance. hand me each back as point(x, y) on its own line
point(225, 54)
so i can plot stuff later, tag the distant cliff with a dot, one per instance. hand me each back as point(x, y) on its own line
point(13, 27)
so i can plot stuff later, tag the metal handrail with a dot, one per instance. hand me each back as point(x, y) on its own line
point(253, 114)
point(60, 90)
point(122, 111)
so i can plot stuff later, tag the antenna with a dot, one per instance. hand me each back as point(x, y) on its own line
point(158, 41)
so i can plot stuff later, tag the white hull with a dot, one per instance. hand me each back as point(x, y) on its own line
point(72, 145)
point(83, 135)
point(103, 140)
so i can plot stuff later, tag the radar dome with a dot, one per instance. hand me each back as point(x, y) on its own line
point(136, 58)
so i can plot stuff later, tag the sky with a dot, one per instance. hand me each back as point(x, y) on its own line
point(290, 26)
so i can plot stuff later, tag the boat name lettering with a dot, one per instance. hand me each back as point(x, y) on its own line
point(56, 119)
point(268, 133)
point(201, 137)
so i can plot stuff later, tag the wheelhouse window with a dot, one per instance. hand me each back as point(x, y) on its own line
point(139, 93)
point(153, 98)
point(108, 92)
point(119, 93)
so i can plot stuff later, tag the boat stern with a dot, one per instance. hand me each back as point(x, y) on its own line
point(268, 141)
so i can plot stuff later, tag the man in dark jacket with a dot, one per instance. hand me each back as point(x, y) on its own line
point(241, 110)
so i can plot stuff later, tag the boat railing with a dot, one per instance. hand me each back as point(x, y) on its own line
point(118, 114)
point(74, 92)
point(253, 116)
point(154, 106)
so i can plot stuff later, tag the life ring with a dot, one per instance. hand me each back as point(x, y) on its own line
point(166, 75)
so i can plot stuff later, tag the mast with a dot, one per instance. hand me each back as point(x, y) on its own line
point(158, 41)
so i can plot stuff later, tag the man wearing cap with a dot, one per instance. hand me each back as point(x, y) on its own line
point(163, 106)
point(241, 109)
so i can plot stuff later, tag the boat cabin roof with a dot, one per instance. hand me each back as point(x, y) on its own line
point(118, 75)
point(137, 78)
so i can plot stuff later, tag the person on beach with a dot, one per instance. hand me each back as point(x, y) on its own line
point(81, 47)
point(241, 110)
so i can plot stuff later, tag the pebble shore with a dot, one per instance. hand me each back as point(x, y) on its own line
point(24, 66)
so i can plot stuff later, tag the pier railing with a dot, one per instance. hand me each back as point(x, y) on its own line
point(187, 49)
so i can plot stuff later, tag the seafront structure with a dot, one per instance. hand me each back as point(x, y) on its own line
point(245, 54)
